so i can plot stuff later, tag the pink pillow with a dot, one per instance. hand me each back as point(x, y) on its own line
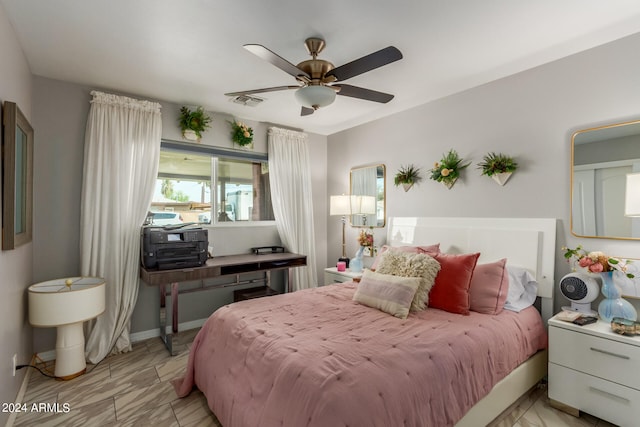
point(451, 289)
point(412, 249)
point(489, 287)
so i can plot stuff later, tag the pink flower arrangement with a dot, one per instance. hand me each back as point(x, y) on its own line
point(365, 238)
point(595, 262)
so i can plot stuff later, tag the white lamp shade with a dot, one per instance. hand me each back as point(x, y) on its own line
point(363, 205)
point(340, 205)
point(315, 96)
point(53, 303)
point(632, 195)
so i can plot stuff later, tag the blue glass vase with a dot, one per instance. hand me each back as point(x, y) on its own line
point(356, 263)
point(614, 305)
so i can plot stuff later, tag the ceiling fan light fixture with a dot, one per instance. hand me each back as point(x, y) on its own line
point(315, 96)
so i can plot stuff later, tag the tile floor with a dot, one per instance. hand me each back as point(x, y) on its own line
point(133, 389)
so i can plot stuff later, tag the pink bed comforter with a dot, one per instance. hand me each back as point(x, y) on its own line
point(316, 358)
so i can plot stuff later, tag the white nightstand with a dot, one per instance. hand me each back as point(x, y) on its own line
point(595, 370)
point(332, 275)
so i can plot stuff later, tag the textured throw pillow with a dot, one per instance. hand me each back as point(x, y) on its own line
point(409, 264)
point(391, 294)
point(412, 249)
point(450, 291)
point(489, 287)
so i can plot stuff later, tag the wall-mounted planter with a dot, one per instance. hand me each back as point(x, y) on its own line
point(193, 122)
point(501, 178)
point(449, 183)
point(407, 176)
point(190, 135)
point(448, 169)
point(498, 166)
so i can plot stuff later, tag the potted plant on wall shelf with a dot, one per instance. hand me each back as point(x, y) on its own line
point(193, 123)
point(447, 170)
point(241, 134)
point(498, 166)
point(407, 176)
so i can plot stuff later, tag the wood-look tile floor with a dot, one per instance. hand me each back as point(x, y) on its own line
point(133, 389)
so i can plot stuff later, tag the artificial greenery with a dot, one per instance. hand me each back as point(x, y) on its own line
point(449, 167)
point(407, 175)
point(196, 120)
point(493, 163)
point(241, 134)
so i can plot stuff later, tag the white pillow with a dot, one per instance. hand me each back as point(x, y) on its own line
point(523, 289)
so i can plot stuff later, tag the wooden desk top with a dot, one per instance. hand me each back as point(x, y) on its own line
point(224, 265)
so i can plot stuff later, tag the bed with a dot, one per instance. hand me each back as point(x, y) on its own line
point(318, 358)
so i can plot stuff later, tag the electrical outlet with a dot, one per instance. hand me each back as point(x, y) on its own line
point(15, 363)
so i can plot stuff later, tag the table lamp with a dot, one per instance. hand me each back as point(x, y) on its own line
point(341, 205)
point(66, 304)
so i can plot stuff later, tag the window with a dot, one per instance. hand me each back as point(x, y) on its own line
point(184, 191)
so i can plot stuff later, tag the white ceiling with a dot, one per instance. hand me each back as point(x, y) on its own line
point(190, 52)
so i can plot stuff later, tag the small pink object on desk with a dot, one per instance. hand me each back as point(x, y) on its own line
point(341, 265)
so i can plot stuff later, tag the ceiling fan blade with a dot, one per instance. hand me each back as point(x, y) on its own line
point(267, 89)
point(366, 63)
point(274, 59)
point(362, 93)
point(306, 111)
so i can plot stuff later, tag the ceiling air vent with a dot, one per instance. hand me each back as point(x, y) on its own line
point(249, 101)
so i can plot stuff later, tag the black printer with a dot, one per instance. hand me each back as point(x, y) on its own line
point(173, 247)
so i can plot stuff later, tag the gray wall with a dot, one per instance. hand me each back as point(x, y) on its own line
point(60, 116)
point(15, 265)
point(530, 116)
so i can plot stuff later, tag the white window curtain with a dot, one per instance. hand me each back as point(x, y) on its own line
point(290, 181)
point(121, 154)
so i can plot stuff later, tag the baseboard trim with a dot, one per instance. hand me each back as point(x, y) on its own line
point(138, 336)
point(152, 333)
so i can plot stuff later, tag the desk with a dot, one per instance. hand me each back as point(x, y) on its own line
point(214, 267)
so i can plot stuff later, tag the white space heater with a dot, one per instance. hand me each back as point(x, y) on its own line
point(581, 290)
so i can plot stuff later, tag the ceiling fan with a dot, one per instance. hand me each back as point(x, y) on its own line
point(317, 78)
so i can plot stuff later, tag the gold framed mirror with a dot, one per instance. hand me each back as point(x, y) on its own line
point(601, 158)
point(17, 178)
point(368, 191)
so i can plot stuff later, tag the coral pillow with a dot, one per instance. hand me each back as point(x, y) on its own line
point(411, 249)
point(489, 287)
point(451, 289)
point(391, 294)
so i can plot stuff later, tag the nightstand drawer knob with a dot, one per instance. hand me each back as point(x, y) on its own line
point(621, 356)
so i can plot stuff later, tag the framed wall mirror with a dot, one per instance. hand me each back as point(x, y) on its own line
point(17, 178)
point(370, 210)
point(601, 158)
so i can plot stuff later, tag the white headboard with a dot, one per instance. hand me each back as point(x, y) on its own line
point(525, 242)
